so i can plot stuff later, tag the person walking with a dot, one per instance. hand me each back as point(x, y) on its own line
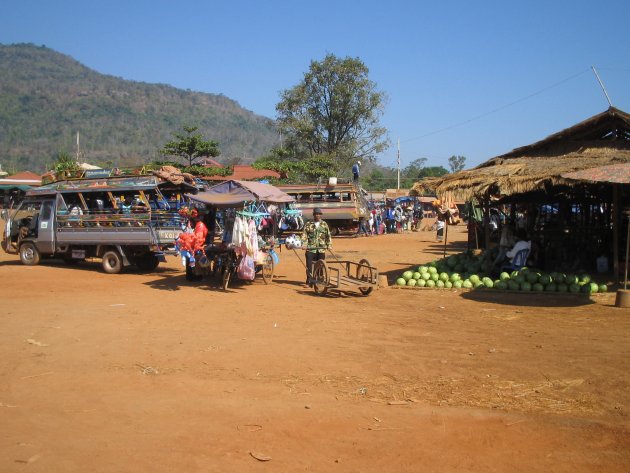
point(356, 167)
point(317, 238)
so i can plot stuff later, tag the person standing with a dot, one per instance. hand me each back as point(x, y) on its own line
point(355, 171)
point(317, 238)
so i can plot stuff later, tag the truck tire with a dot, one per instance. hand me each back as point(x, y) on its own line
point(29, 255)
point(112, 262)
point(147, 262)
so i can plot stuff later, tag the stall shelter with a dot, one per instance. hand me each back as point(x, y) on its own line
point(572, 221)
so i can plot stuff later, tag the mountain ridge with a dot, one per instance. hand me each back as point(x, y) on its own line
point(47, 96)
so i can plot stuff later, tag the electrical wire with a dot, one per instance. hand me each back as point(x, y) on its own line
point(498, 109)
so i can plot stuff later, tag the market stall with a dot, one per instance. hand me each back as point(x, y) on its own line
point(249, 215)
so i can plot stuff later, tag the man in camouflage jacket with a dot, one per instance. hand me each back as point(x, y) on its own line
point(316, 238)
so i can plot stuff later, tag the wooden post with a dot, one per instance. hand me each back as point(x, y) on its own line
point(486, 222)
point(445, 235)
point(615, 229)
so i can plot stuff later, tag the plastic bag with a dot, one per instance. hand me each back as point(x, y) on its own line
point(246, 270)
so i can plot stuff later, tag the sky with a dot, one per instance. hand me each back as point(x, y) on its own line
point(471, 78)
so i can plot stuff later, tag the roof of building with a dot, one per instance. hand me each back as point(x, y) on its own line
point(246, 173)
point(23, 178)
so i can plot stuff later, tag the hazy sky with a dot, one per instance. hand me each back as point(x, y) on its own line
point(472, 78)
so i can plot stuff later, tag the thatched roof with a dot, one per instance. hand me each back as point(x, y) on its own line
point(603, 139)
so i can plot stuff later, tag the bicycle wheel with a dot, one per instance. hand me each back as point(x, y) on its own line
point(267, 269)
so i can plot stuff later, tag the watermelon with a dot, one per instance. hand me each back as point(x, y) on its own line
point(439, 284)
point(416, 276)
point(585, 278)
point(501, 285)
point(586, 289)
point(537, 287)
point(478, 284)
point(412, 282)
point(421, 283)
point(458, 284)
point(423, 269)
point(513, 274)
point(435, 277)
point(520, 278)
point(574, 288)
point(526, 286)
point(401, 282)
point(430, 283)
point(407, 275)
point(594, 287)
point(474, 279)
point(513, 285)
point(544, 279)
point(532, 277)
point(426, 276)
point(467, 284)
point(602, 288)
point(487, 282)
point(504, 276)
point(571, 279)
point(444, 277)
point(551, 287)
point(433, 269)
point(562, 287)
point(448, 284)
point(455, 277)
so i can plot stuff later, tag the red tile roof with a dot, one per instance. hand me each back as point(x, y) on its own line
point(246, 173)
point(26, 178)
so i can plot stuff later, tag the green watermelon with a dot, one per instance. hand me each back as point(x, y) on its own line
point(455, 277)
point(537, 287)
point(526, 286)
point(474, 279)
point(433, 270)
point(513, 285)
point(444, 277)
point(458, 284)
point(551, 287)
point(421, 283)
point(439, 284)
point(407, 275)
point(574, 288)
point(544, 279)
point(467, 284)
point(430, 283)
point(416, 276)
point(532, 277)
point(602, 288)
point(426, 276)
point(401, 282)
point(504, 276)
point(563, 287)
point(585, 278)
point(448, 284)
point(594, 287)
point(412, 282)
point(501, 285)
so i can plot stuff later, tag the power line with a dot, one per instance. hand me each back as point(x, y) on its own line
point(503, 107)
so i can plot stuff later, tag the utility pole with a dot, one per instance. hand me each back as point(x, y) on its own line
point(602, 86)
point(78, 148)
point(398, 187)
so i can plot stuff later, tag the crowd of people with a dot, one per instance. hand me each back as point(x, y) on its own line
point(390, 218)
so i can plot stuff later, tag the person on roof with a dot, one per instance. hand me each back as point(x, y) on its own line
point(355, 171)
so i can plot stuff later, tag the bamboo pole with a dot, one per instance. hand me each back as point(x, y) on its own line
point(615, 230)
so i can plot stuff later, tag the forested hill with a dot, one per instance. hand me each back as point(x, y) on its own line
point(46, 97)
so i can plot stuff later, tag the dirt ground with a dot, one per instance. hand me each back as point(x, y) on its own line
point(147, 372)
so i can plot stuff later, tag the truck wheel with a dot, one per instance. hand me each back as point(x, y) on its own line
point(112, 262)
point(29, 255)
point(147, 262)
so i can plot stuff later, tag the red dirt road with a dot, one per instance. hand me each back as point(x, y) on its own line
point(146, 372)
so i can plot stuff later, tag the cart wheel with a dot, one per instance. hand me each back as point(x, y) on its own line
point(267, 269)
point(320, 277)
point(364, 273)
point(227, 273)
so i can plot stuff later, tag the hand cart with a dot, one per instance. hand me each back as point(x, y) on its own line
point(342, 275)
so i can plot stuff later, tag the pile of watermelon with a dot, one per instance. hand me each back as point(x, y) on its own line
point(470, 271)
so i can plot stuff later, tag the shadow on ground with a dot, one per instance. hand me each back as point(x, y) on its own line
point(527, 299)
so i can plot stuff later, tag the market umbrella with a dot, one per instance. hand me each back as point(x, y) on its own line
point(235, 193)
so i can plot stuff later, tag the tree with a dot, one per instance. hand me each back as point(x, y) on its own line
point(334, 111)
point(190, 145)
point(456, 163)
point(433, 171)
